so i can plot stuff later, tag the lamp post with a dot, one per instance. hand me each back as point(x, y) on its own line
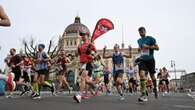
point(173, 66)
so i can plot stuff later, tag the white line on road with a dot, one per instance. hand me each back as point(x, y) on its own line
point(192, 96)
point(184, 106)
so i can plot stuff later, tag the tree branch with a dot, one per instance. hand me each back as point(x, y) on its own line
point(25, 49)
point(52, 53)
point(50, 44)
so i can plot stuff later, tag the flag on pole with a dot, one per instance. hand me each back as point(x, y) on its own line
point(102, 26)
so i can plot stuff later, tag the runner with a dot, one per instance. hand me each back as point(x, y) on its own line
point(165, 80)
point(10, 83)
point(107, 79)
point(118, 67)
point(146, 62)
point(42, 69)
point(85, 50)
point(4, 19)
point(132, 79)
point(15, 63)
point(27, 70)
point(160, 84)
point(34, 78)
point(149, 85)
point(97, 73)
point(62, 70)
point(98, 69)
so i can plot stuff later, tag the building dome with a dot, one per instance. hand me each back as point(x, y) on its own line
point(76, 27)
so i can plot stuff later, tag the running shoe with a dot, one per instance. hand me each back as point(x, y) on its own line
point(25, 89)
point(122, 98)
point(142, 99)
point(33, 94)
point(36, 96)
point(9, 96)
point(53, 89)
point(77, 98)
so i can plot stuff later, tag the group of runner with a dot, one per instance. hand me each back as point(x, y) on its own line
point(163, 76)
point(32, 73)
point(145, 62)
point(91, 67)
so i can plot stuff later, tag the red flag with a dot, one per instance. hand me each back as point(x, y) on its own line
point(102, 26)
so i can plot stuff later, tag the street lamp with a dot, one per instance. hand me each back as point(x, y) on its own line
point(173, 66)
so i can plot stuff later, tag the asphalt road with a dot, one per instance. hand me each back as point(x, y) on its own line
point(65, 102)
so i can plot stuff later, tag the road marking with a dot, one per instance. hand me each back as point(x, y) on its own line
point(192, 96)
point(184, 106)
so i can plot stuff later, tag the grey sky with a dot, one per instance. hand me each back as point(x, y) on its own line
point(171, 22)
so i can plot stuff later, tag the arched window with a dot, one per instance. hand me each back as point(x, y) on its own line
point(71, 43)
point(75, 42)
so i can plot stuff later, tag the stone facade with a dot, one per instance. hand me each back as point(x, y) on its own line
point(188, 81)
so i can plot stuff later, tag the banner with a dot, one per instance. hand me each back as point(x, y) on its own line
point(102, 26)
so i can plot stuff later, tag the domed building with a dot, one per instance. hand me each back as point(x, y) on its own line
point(70, 38)
point(76, 27)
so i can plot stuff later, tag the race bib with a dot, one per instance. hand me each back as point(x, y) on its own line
point(118, 67)
point(145, 52)
point(131, 73)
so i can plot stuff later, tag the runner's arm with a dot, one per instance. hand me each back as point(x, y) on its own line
point(158, 76)
point(168, 75)
point(130, 54)
point(4, 20)
point(68, 62)
point(153, 47)
point(19, 64)
point(104, 54)
point(102, 62)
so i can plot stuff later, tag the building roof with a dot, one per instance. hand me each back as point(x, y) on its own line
point(77, 27)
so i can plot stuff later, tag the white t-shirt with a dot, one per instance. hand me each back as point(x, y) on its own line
point(131, 73)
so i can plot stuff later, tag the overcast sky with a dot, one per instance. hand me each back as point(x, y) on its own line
point(171, 22)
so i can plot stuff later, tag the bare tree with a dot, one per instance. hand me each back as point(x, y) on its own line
point(30, 49)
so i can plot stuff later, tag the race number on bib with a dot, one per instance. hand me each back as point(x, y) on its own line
point(118, 67)
point(145, 52)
